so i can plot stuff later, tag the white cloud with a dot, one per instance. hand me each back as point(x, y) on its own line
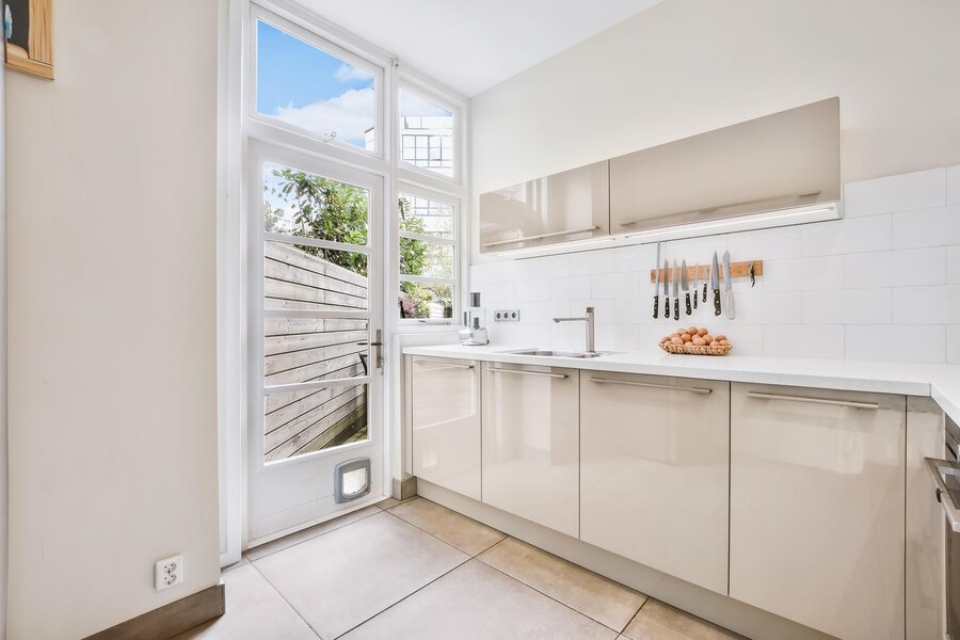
point(350, 73)
point(349, 114)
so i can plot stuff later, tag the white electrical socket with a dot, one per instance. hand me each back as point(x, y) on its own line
point(168, 572)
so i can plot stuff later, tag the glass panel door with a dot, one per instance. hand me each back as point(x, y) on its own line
point(317, 291)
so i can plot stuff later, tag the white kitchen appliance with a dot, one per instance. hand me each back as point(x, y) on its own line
point(475, 321)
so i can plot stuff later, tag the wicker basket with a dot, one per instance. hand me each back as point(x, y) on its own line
point(694, 350)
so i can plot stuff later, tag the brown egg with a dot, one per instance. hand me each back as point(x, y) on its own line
point(708, 338)
point(686, 337)
point(674, 335)
point(699, 341)
point(721, 337)
point(714, 344)
point(664, 339)
point(702, 331)
point(724, 342)
point(691, 330)
point(676, 340)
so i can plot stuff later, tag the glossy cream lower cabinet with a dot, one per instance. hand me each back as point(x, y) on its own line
point(654, 465)
point(445, 421)
point(531, 443)
point(817, 508)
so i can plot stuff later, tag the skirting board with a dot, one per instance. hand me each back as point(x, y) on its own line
point(170, 620)
point(723, 611)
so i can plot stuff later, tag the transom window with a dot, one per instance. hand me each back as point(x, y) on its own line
point(426, 133)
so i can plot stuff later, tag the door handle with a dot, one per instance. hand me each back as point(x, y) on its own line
point(942, 493)
point(378, 345)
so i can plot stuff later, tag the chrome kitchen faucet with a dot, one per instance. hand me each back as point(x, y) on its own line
point(591, 343)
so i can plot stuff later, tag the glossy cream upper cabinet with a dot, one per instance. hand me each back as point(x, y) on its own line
point(654, 456)
point(777, 162)
point(445, 421)
point(531, 443)
point(573, 205)
point(817, 508)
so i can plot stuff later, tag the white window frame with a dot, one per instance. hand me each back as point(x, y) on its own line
point(409, 82)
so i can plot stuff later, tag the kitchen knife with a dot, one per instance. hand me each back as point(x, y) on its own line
point(715, 284)
point(676, 291)
point(706, 268)
point(696, 284)
point(666, 289)
point(656, 287)
point(685, 283)
point(728, 287)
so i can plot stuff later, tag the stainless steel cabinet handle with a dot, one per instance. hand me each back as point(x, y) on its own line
point(538, 374)
point(838, 403)
point(438, 365)
point(566, 232)
point(698, 390)
point(943, 495)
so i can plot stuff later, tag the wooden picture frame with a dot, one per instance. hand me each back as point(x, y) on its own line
point(28, 36)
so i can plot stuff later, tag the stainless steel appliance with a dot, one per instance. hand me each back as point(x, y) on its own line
point(475, 320)
point(946, 478)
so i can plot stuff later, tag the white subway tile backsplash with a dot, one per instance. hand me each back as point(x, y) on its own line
point(851, 235)
point(570, 288)
point(636, 258)
point(953, 185)
point(803, 341)
point(543, 312)
point(694, 249)
point(591, 262)
point(545, 267)
point(618, 337)
point(926, 228)
point(897, 343)
point(926, 305)
point(765, 244)
point(615, 285)
point(921, 190)
point(532, 334)
point(953, 264)
point(848, 306)
point(773, 307)
point(901, 268)
point(533, 290)
point(804, 274)
point(953, 344)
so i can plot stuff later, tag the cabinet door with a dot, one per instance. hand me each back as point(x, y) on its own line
point(530, 443)
point(573, 205)
point(817, 508)
point(445, 398)
point(654, 464)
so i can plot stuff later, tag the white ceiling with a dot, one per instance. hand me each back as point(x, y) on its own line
point(471, 45)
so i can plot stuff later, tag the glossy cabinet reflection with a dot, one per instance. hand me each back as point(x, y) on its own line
point(817, 508)
point(654, 456)
point(445, 397)
point(530, 440)
point(573, 205)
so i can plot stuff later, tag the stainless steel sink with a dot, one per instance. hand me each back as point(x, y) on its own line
point(560, 354)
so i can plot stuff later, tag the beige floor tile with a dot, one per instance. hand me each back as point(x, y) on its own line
point(475, 602)
point(603, 600)
point(286, 542)
point(338, 580)
point(255, 611)
point(658, 621)
point(387, 504)
point(453, 528)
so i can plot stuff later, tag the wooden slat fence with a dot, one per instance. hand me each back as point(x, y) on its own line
point(312, 349)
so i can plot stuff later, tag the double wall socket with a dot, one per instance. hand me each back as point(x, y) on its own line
point(168, 572)
point(506, 315)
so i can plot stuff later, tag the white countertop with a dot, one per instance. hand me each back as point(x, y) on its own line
point(941, 382)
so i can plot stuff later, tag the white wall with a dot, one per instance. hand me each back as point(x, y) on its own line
point(688, 66)
point(881, 284)
point(112, 316)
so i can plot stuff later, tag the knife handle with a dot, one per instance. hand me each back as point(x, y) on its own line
point(716, 302)
point(731, 309)
point(666, 307)
point(676, 308)
point(689, 311)
point(695, 297)
point(704, 293)
point(656, 306)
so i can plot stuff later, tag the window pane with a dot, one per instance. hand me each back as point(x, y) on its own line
point(419, 258)
point(302, 204)
point(306, 421)
point(302, 85)
point(434, 301)
point(425, 129)
point(302, 277)
point(314, 349)
point(426, 217)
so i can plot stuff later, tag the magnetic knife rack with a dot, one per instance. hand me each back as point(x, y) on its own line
point(737, 270)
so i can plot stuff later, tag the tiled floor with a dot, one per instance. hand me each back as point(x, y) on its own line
point(415, 570)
